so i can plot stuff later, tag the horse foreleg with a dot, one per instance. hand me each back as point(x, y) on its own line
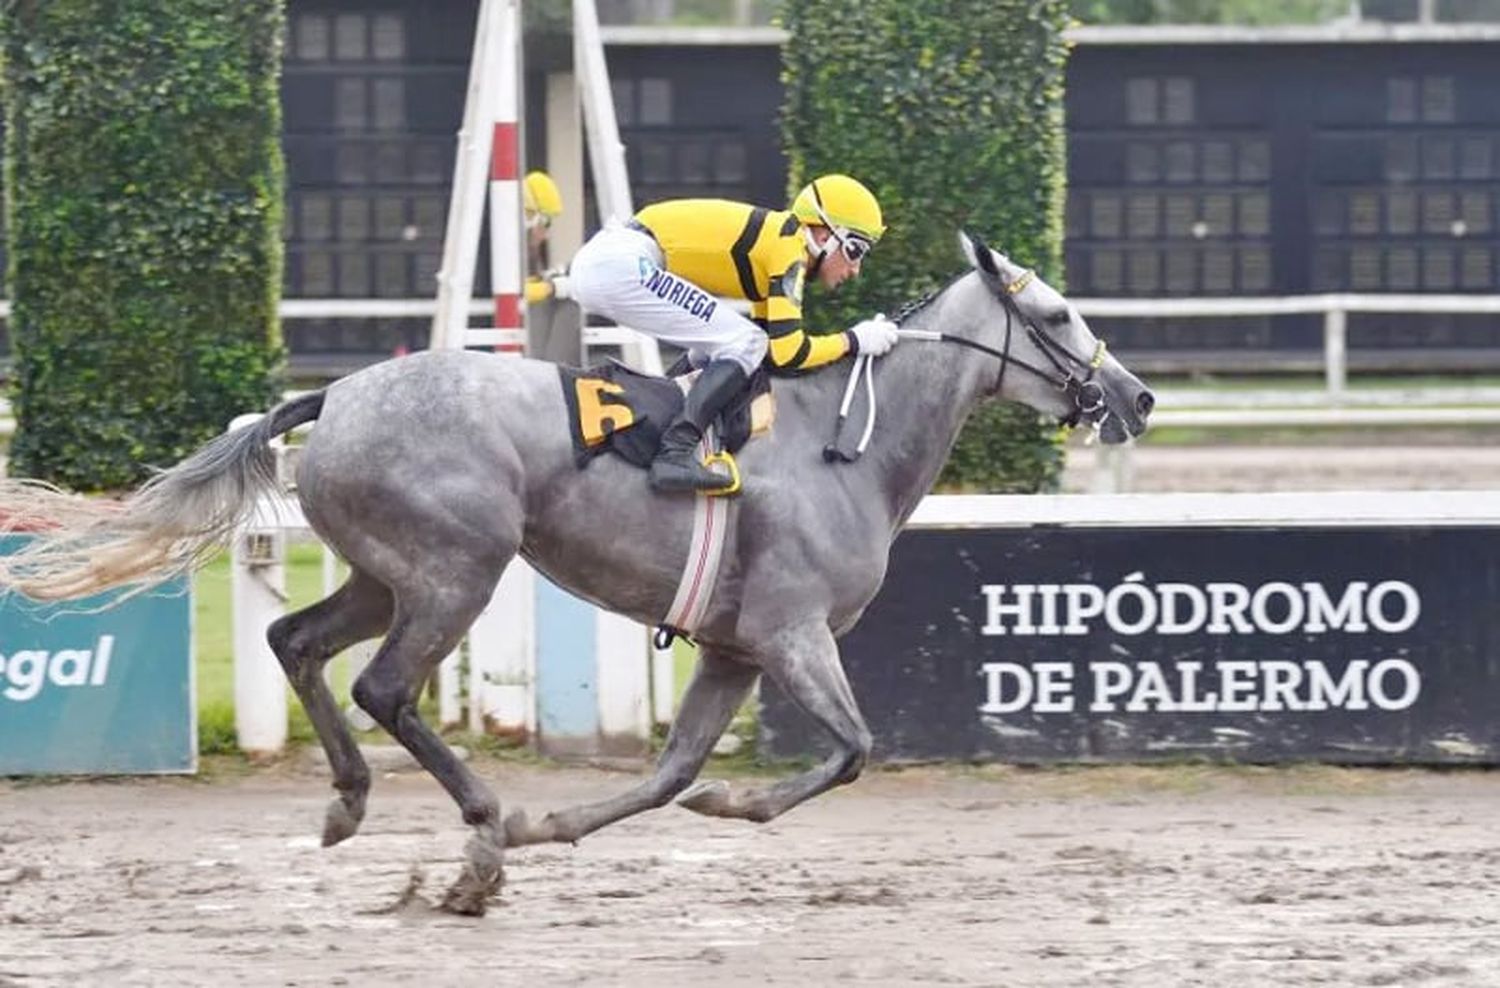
point(718, 687)
point(304, 642)
point(804, 662)
point(427, 626)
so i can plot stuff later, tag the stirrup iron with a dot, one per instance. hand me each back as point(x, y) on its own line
point(727, 459)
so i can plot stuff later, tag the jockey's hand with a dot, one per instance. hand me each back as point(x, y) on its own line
point(550, 287)
point(538, 290)
point(873, 336)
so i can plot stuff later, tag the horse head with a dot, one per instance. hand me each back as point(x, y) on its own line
point(1049, 357)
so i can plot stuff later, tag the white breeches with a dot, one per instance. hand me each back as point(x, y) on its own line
point(618, 274)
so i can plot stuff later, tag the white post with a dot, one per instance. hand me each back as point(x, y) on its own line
point(620, 649)
point(663, 684)
point(565, 163)
point(507, 226)
point(500, 649)
point(258, 596)
point(1111, 469)
point(606, 150)
point(450, 689)
point(1335, 353)
point(470, 173)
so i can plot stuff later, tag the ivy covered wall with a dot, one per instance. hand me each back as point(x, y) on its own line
point(143, 182)
point(952, 112)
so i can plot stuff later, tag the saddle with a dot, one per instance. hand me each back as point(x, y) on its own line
point(614, 409)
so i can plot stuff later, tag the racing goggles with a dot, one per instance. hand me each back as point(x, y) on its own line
point(853, 245)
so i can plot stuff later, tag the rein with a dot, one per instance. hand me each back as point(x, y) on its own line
point(1087, 395)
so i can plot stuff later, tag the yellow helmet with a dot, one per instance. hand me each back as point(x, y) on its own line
point(542, 195)
point(842, 204)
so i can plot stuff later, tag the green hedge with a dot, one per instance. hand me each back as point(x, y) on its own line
point(143, 182)
point(952, 112)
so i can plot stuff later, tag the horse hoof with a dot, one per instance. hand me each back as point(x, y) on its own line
point(471, 894)
point(339, 823)
point(481, 879)
point(709, 798)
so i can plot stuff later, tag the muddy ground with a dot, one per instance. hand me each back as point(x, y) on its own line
point(1184, 875)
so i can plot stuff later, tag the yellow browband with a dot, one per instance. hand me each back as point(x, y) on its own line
point(1098, 360)
point(1019, 285)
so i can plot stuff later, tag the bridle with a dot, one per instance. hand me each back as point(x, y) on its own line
point(1071, 374)
point(1086, 393)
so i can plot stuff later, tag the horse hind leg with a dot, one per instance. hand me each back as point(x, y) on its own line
point(804, 662)
point(718, 688)
point(430, 618)
point(304, 642)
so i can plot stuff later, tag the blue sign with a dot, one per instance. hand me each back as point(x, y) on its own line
point(85, 690)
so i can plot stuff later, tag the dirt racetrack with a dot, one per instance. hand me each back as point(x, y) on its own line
point(1185, 875)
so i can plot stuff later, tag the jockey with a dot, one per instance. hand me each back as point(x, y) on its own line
point(663, 271)
point(542, 203)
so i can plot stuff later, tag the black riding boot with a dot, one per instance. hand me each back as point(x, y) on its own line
point(677, 467)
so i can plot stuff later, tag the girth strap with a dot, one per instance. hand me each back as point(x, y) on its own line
point(701, 572)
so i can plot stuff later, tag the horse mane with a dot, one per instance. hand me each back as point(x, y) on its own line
point(923, 301)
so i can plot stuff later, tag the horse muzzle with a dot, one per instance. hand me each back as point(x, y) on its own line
point(1114, 418)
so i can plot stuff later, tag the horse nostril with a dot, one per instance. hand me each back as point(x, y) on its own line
point(1144, 402)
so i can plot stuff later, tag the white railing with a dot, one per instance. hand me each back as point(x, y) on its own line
point(1230, 407)
point(1335, 309)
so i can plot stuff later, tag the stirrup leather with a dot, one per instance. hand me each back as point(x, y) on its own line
point(727, 459)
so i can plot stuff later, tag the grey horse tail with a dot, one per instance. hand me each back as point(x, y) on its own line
point(169, 526)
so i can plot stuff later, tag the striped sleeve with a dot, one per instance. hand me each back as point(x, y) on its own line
point(792, 348)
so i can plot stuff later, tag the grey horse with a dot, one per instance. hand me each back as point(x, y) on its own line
point(428, 474)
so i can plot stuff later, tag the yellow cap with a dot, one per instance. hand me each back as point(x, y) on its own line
point(842, 203)
point(542, 195)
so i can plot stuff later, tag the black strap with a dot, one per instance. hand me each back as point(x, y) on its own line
point(666, 634)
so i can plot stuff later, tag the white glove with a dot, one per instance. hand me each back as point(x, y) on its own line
point(874, 337)
point(562, 287)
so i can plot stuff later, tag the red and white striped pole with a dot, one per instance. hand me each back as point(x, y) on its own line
point(507, 225)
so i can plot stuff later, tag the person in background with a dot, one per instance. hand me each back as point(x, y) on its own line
point(542, 203)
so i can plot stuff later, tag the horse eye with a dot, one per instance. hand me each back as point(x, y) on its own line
point(1059, 317)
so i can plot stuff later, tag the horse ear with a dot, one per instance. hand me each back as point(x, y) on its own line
point(978, 254)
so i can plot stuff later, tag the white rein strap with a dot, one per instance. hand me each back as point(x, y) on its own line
point(864, 366)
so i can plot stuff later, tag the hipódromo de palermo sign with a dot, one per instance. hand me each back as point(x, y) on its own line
point(1134, 607)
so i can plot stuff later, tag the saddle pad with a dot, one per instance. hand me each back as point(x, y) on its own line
point(614, 409)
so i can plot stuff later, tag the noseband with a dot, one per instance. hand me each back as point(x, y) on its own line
point(1087, 395)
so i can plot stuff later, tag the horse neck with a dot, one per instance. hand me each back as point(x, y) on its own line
point(925, 392)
